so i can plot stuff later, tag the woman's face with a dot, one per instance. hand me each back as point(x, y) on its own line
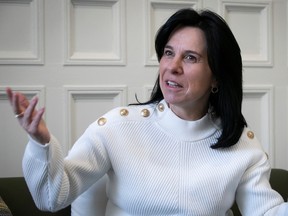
point(185, 77)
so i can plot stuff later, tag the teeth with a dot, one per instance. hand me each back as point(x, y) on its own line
point(170, 83)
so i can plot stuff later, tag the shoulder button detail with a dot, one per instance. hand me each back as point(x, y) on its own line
point(250, 134)
point(124, 112)
point(145, 112)
point(102, 121)
point(161, 107)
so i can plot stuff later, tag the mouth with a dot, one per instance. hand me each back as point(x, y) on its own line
point(173, 84)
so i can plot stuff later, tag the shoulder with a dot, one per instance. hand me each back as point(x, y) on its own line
point(127, 114)
point(250, 146)
point(249, 137)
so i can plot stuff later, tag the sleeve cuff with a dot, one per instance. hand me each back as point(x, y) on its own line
point(38, 150)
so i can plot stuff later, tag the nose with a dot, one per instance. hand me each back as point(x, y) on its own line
point(175, 65)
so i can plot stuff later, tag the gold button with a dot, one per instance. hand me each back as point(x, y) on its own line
point(250, 134)
point(124, 112)
point(102, 121)
point(161, 107)
point(145, 112)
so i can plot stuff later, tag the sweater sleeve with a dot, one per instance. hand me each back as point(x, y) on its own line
point(54, 181)
point(255, 196)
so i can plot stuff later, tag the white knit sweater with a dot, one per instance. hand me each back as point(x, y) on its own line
point(158, 164)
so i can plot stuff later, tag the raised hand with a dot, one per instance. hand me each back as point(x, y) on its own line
point(29, 118)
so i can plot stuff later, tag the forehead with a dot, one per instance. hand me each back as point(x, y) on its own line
point(189, 37)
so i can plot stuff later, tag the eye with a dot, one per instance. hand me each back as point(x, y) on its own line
point(191, 58)
point(168, 52)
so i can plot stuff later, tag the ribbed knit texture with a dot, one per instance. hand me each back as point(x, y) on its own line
point(157, 165)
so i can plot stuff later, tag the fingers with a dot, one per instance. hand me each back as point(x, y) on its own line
point(37, 128)
point(36, 121)
point(38, 116)
point(29, 113)
point(17, 100)
point(13, 99)
point(23, 109)
point(29, 118)
point(33, 123)
point(10, 94)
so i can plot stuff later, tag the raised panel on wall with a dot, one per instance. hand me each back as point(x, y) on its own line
point(147, 92)
point(13, 137)
point(86, 104)
point(88, 41)
point(258, 111)
point(157, 12)
point(256, 17)
point(21, 32)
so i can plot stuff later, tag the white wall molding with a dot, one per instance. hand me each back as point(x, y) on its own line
point(21, 39)
point(156, 12)
point(87, 40)
point(28, 91)
point(147, 92)
point(258, 106)
point(256, 16)
point(84, 104)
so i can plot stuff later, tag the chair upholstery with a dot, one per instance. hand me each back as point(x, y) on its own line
point(17, 197)
point(278, 181)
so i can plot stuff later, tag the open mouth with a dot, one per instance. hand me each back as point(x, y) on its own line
point(173, 84)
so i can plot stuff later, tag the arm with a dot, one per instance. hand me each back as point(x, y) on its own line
point(54, 181)
point(254, 194)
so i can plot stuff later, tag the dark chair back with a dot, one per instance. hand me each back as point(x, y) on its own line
point(17, 197)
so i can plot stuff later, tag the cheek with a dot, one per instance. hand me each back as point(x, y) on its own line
point(161, 67)
point(199, 80)
point(161, 74)
point(161, 82)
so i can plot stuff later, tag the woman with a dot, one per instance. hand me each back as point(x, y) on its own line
point(187, 151)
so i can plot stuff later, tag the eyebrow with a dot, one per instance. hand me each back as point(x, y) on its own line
point(186, 51)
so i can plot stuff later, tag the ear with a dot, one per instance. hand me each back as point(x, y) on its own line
point(214, 83)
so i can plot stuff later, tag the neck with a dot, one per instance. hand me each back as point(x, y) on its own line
point(190, 113)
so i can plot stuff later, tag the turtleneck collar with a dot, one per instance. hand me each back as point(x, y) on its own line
point(183, 129)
